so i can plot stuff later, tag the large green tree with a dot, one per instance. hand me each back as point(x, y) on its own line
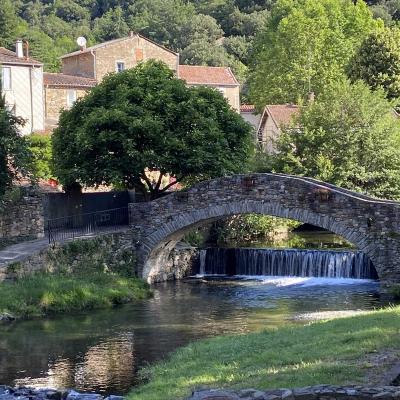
point(306, 45)
point(377, 62)
point(144, 119)
point(349, 136)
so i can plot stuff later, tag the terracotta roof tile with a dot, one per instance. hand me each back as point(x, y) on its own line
point(9, 57)
point(249, 108)
point(203, 75)
point(282, 114)
point(64, 80)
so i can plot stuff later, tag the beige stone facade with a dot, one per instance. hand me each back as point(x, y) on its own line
point(56, 100)
point(80, 65)
point(97, 61)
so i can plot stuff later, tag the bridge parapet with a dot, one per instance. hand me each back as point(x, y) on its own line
point(370, 224)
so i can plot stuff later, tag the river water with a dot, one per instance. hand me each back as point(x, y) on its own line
point(102, 351)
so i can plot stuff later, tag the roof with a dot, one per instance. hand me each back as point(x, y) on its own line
point(247, 108)
point(111, 42)
point(64, 80)
point(282, 114)
point(203, 75)
point(9, 57)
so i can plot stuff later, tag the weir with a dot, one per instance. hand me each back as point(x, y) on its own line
point(286, 262)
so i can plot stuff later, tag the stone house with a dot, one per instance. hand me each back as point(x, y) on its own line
point(22, 86)
point(61, 91)
point(82, 69)
point(220, 78)
point(268, 124)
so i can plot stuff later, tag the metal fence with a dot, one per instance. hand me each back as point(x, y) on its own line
point(74, 226)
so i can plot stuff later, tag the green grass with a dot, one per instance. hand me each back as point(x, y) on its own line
point(333, 352)
point(45, 293)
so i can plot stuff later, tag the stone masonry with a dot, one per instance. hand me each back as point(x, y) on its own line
point(22, 218)
point(370, 224)
point(319, 392)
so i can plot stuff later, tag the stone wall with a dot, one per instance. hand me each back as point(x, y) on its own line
point(80, 65)
point(56, 100)
point(131, 51)
point(21, 215)
point(319, 392)
point(182, 262)
point(113, 252)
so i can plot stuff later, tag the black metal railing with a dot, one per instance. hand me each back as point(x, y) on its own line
point(75, 226)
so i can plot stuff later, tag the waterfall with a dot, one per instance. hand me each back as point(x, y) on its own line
point(286, 262)
point(203, 254)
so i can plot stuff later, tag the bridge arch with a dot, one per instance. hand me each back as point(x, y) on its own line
point(371, 225)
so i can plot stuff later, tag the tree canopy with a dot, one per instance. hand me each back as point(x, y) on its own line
point(143, 120)
point(305, 46)
point(377, 62)
point(349, 136)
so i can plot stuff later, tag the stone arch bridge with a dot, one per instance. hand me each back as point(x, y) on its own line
point(370, 224)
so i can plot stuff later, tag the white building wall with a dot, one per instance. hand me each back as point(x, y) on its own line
point(26, 96)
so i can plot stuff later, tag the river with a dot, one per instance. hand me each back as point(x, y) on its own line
point(102, 351)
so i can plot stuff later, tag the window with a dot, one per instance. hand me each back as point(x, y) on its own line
point(221, 90)
point(6, 78)
point(71, 97)
point(120, 66)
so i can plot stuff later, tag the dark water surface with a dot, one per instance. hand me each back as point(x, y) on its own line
point(103, 350)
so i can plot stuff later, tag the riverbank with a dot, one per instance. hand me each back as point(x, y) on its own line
point(44, 294)
point(336, 352)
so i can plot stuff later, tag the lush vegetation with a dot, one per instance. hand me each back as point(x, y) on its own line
point(377, 62)
point(334, 352)
point(82, 275)
point(15, 157)
point(249, 227)
point(305, 46)
point(41, 150)
point(143, 120)
point(213, 32)
point(355, 145)
point(45, 293)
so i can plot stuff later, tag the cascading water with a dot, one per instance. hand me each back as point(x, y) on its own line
point(203, 255)
point(289, 262)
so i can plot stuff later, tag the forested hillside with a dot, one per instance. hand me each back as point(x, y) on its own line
point(213, 32)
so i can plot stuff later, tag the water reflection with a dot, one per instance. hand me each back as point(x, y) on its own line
point(103, 351)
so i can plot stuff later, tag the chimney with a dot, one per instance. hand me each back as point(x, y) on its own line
point(19, 50)
point(311, 97)
point(26, 46)
point(131, 33)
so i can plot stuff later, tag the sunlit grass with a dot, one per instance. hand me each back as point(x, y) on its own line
point(43, 294)
point(324, 352)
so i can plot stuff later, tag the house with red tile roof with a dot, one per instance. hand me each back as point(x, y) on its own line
point(83, 69)
point(22, 86)
point(220, 78)
point(268, 124)
point(61, 91)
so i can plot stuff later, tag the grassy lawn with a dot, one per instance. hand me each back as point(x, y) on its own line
point(332, 352)
point(44, 294)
